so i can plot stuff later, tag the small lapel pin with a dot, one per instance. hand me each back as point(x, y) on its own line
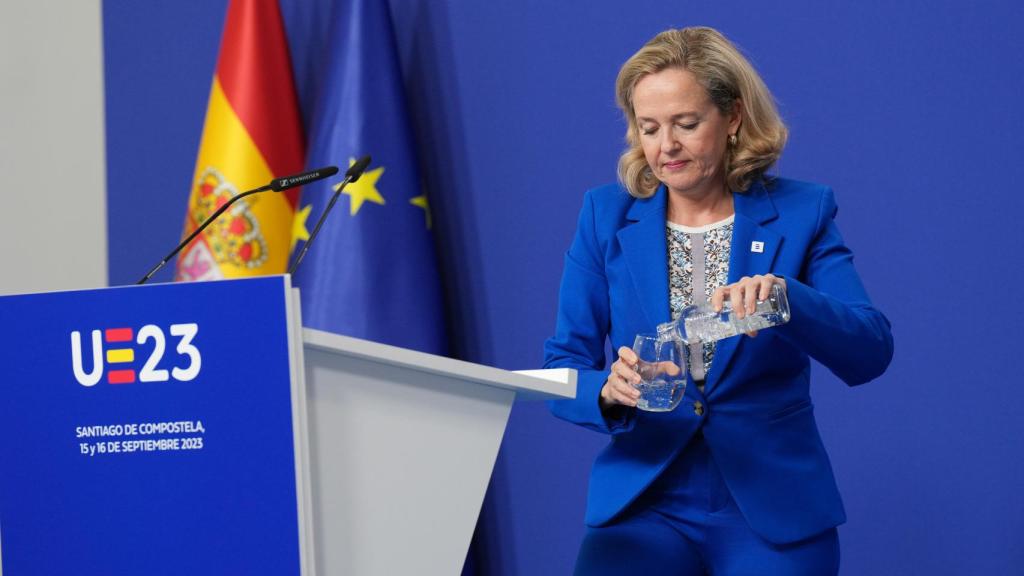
point(756, 246)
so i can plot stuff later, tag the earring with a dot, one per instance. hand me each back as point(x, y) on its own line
point(732, 139)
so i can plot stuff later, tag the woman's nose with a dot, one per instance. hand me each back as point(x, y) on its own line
point(669, 142)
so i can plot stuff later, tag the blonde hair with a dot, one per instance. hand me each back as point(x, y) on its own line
point(728, 77)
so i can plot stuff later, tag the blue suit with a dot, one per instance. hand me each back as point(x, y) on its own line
point(758, 420)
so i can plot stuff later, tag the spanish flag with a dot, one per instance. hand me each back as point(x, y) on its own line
point(251, 135)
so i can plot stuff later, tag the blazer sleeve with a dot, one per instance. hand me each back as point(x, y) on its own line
point(831, 317)
point(581, 328)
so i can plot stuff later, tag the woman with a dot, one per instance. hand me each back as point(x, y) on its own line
point(735, 480)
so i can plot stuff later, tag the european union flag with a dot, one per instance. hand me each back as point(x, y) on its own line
point(372, 272)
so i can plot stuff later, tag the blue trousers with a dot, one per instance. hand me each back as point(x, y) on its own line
point(687, 524)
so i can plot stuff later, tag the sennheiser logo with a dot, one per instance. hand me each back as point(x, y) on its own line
point(119, 359)
point(298, 179)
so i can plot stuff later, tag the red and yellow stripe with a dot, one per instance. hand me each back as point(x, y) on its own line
point(252, 134)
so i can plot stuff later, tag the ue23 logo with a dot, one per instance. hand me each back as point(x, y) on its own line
point(120, 355)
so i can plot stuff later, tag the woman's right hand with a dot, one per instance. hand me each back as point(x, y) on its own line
point(620, 386)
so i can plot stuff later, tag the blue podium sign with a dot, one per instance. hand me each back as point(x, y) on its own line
point(150, 430)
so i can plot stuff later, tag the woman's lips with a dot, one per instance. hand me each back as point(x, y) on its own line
point(675, 165)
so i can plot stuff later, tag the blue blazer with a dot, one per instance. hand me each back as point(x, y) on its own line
point(758, 419)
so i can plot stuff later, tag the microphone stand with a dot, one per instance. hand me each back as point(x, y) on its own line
point(201, 227)
point(319, 223)
point(277, 185)
point(353, 174)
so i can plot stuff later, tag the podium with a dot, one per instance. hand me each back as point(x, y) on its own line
point(197, 428)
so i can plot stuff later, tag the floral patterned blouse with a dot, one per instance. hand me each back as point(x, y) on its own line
point(717, 244)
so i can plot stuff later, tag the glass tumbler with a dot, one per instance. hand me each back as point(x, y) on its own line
point(662, 369)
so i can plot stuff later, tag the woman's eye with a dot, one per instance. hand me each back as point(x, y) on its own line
point(688, 126)
point(648, 131)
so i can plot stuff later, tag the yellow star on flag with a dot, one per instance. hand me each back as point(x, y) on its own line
point(364, 189)
point(299, 230)
point(421, 201)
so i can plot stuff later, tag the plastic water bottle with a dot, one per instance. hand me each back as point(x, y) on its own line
point(702, 324)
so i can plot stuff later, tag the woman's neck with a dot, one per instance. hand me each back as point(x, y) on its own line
point(696, 211)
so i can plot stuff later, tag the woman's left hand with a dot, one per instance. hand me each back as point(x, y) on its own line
point(744, 294)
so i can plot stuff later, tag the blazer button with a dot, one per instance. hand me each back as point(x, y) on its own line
point(698, 408)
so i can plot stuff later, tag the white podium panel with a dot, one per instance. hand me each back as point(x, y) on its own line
point(402, 445)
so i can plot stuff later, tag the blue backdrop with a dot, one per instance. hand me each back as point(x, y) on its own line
point(906, 109)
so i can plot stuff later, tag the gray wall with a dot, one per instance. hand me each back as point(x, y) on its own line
point(52, 161)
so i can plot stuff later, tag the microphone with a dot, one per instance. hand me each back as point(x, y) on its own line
point(277, 185)
point(282, 184)
point(351, 175)
point(357, 169)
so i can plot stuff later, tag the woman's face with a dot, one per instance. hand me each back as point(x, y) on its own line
point(682, 132)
